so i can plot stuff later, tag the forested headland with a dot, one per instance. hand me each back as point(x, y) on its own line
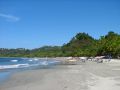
point(82, 44)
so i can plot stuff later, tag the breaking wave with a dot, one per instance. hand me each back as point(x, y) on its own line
point(13, 66)
point(25, 63)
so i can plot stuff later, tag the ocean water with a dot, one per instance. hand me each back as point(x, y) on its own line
point(13, 65)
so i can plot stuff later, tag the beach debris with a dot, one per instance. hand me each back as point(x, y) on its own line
point(99, 59)
point(83, 59)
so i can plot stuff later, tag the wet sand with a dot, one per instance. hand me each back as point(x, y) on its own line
point(85, 76)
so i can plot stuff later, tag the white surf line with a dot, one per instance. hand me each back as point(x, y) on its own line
point(103, 83)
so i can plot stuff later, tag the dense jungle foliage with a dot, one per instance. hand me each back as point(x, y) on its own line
point(80, 45)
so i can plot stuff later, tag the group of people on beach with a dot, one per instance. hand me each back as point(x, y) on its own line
point(98, 59)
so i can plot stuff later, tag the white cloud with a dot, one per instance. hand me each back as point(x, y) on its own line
point(9, 17)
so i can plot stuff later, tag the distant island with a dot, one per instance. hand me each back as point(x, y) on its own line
point(82, 44)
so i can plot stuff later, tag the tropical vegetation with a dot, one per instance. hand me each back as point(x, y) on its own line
point(82, 44)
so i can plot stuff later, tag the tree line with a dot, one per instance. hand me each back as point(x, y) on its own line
point(82, 44)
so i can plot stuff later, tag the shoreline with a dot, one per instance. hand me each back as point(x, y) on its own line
point(86, 76)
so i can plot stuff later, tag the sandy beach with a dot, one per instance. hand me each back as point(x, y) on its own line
point(85, 76)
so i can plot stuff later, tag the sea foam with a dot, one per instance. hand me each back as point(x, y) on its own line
point(13, 66)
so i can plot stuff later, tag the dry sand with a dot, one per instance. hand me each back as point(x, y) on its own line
point(86, 76)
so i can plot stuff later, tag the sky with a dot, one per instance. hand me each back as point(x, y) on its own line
point(35, 23)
